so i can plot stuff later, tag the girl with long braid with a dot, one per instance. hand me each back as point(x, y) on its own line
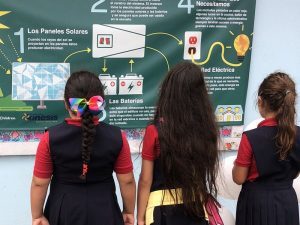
point(78, 158)
point(268, 158)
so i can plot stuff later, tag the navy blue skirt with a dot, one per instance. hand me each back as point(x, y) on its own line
point(272, 204)
point(83, 204)
point(174, 215)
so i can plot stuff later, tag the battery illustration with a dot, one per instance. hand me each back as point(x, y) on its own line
point(109, 83)
point(131, 84)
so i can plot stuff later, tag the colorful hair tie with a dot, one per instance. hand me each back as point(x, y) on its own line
point(95, 105)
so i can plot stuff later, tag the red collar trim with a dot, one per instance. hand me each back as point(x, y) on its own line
point(271, 122)
point(77, 121)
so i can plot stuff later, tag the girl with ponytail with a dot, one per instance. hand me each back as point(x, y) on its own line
point(78, 157)
point(269, 158)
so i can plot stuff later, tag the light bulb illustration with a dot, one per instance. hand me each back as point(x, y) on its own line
point(241, 45)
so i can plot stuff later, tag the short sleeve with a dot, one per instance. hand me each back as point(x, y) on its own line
point(123, 163)
point(245, 153)
point(150, 143)
point(43, 167)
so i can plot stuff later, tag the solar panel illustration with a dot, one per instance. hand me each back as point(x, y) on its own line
point(39, 81)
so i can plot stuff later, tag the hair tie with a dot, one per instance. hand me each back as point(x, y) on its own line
point(84, 169)
point(95, 105)
point(287, 91)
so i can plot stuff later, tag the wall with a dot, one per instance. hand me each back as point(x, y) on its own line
point(276, 46)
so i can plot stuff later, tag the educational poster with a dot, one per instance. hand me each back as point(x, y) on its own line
point(130, 45)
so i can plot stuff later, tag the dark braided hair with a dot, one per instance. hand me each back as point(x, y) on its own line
point(84, 84)
point(188, 137)
point(278, 92)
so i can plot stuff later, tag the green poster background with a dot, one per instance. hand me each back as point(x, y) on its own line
point(165, 24)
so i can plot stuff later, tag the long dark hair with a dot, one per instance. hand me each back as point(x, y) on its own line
point(279, 93)
point(84, 84)
point(188, 137)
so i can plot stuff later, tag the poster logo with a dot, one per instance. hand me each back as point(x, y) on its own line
point(25, 117)
point(39, 117)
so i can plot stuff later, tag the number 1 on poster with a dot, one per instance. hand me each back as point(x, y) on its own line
point(21, 34)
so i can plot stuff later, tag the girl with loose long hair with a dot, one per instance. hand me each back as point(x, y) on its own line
point(180, 155)
point(269, 158)
point(78, 157)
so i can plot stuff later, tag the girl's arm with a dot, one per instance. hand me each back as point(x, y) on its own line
point(39, 187)
point(144, 186)
point(239, 174)
point(128, 191)
point(243, 161)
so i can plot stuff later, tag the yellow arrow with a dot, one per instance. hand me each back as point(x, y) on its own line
point(88, 50)
point(1, 42)
point(2, 13)
point(209, 55)
point(19, 59)
point(2, 26)
point(162, 33)
point(4, 55)
point(162, 55)
point(6, 70)
point(131, 62)
point(104, 68)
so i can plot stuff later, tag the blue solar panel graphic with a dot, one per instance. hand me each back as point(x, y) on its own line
point(39, 81)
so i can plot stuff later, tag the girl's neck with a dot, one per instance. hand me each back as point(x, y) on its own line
point(270, 115)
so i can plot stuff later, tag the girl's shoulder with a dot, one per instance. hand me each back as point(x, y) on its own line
point(151, 129)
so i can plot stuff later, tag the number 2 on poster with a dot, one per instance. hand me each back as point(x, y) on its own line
point(188, 6)
point(94, 7)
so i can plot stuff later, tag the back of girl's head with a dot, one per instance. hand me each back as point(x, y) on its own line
point(84, 84)
point(279, 94)
point(188, 136)
point(182, 91)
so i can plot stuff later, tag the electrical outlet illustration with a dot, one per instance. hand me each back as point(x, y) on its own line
point(192, 45)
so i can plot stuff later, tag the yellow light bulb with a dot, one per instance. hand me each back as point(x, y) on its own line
point(241, 45)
